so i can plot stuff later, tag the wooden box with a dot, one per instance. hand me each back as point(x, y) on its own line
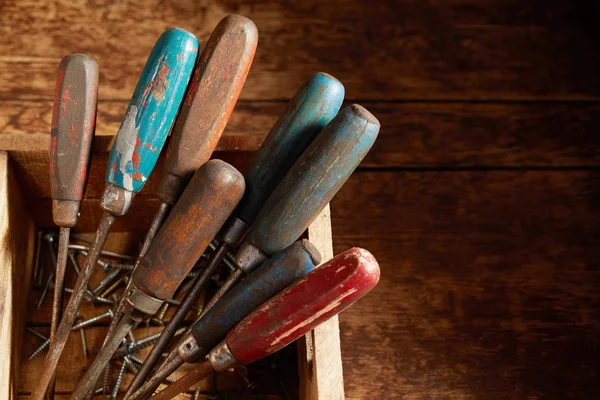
point(25, 207)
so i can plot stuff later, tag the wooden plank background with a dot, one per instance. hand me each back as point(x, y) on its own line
point(480, 199)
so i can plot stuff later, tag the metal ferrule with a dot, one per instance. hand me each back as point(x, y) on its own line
point(142, 301)
point(249, 257)
point(170, 187)
point(234, 231)
point(221, 358)
point(188, 349)
point(116, 200)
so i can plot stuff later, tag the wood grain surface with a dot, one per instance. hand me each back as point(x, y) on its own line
point(479, 198)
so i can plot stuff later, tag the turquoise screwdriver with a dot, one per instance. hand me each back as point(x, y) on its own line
point(140, 139)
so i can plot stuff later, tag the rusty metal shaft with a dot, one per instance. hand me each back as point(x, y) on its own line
point(88, 382)
point(64, 328)
point(177, 318)
point(199, 372)
point(230, 282)
point(172, 362)
point(59, 286)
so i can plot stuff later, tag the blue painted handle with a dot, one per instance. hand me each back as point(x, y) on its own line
point(314, 179)
point(269, 279)
point(312, 107)
point(152, 109)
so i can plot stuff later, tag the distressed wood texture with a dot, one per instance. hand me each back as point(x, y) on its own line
point(319, 364)
point(16, 258)
point(480, 199)
point(489, 284)
point(458, 49)
point(414, 134)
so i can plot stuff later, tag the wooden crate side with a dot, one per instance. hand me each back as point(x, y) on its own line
point(319, 352)
point(16, 258)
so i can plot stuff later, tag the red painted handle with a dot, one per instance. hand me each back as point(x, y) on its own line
point(73, 125)
point(298, 309)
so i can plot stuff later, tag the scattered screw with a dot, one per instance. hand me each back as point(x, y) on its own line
point(40, 349)
point(38, 272)
point(91, 321)
point(45, 291)
point(114, 286)
point(117, 386)
point(104, 252)
point(50, 238)
point(74, 262)
point(83, 341)
point(105, 387)
point(106, 281)
point(131, 365)
point(36, 333)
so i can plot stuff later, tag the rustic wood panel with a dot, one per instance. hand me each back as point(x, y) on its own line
point(16, 259)
point(412, 134)
point(489, 284)
point(459, 49)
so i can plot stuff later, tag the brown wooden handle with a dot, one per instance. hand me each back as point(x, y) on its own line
point(212, 93)
point(204, 206)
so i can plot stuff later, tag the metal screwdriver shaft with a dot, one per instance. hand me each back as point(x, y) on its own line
point(73, 125)
point(273, 276)
point(289, 315)
point(212, 194)
point(315, 104)
point(139, 141)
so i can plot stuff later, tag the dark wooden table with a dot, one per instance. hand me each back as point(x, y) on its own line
point(480, 198)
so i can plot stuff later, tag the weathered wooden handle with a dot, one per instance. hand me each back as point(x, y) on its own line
point(309, 111)
point(298, 309)
point(73, 125)
point(212, 93)
point(314, 179)
point(212, 194)
point(152, 109)
point(273, 276)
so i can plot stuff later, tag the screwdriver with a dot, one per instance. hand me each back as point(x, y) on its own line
point(210, 197)
point(308, 186)
point(289, 315)
point(73, 126)
point(141, 136)
point(273, 276)
point(214, 88)
point(311, 108)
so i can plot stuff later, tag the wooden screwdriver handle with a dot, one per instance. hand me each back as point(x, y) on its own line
point(152, 109)
point(73, 126)
point(323, 293)
point(211, 96)
point(309, 111)
point(209, 198)
point(314, 179)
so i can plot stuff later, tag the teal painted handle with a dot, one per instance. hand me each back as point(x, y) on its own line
point(152, 109)
point(314, 179)
point(313, 106)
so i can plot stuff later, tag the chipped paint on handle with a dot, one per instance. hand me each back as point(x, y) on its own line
point(309, 111)
point(73, 125)
point(314, 179)
point(323, 293)
point(273, 276)
point(152, 109)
